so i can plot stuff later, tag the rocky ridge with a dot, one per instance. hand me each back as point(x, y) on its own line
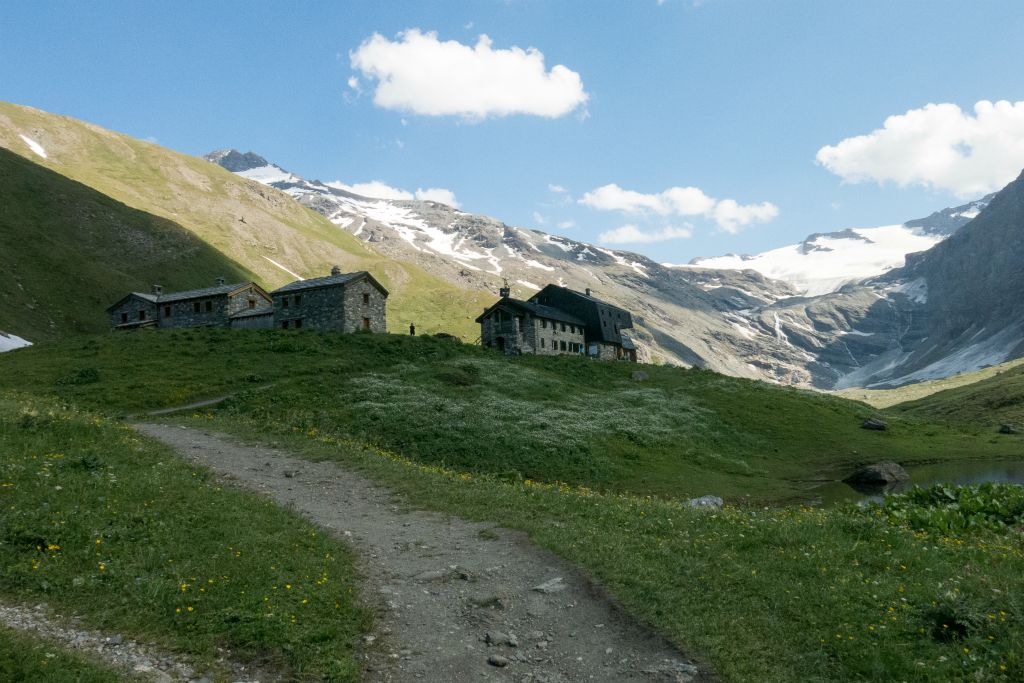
point(734, 319)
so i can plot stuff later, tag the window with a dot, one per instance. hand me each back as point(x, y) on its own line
point(195, 307)
point(209, 306)
point(124, 317)
point(167, 311)
point(561, 345)
point(284, 302)
point(298, 324)
point(366, 298)
point(298, 299)
point(142, 315)
point(543, 343)
point(563, 327)
point(284, 325)
point(252, 303)
point(544, 324)
point(366, 323)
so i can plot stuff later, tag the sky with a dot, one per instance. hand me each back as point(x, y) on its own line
point(674, 128)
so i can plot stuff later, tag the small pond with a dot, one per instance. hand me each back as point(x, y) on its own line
point(962, 473)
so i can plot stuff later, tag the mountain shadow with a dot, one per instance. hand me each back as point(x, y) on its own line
point(68, 251)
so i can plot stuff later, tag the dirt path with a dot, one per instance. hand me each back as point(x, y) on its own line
point(146, 662)
point(446, 585)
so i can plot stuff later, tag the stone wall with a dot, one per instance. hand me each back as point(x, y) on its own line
point(129, 312)
point(210, 311)
point(365, 308)
point(529, 334)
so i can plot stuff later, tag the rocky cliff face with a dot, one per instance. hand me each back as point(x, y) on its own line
point(731, 319)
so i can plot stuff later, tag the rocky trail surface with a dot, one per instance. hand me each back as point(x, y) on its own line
point(145, 662)
point(458, 600)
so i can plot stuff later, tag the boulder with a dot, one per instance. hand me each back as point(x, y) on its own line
point(879, 474)
point(640, 376)
point(875, 424)
point(706, 503)
point(1007, 429)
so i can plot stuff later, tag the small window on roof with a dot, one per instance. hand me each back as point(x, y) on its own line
point(366, 298)
point(252, 303)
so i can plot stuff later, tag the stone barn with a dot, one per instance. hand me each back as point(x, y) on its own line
point(341, 302)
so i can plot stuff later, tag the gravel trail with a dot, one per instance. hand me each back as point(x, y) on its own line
point(458, 600)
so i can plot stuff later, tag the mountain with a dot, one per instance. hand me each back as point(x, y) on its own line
point(265, 234)
point(681, 316)
point(824, 262)
point(956, 307)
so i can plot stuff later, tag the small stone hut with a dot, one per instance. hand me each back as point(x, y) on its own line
point(243, 304)
point(342, 302)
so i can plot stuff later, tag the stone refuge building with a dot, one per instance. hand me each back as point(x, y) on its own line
point(557, 320)
point(243, 304)
point(343, 302)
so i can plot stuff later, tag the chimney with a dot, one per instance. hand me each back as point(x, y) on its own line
point(157, 290)
point(335, 270)
point(220, 281)
point(588, 291)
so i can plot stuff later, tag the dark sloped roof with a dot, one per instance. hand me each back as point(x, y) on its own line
point(201, 293)
point(254, 312)
point(327, 281)
point(538, 310)
point(151, 298)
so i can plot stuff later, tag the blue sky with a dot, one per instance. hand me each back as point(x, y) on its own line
point(728, 101)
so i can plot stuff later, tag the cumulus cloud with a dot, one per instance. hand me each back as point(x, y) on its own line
point(378, 189)
point(418, 73)
point(938, 146)
point(729, 215)
point(631, 234)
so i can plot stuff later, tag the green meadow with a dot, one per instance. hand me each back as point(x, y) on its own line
point(595, 466)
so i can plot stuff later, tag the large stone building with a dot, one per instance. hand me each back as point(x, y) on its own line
point(557, 320)
point(243, 304)
point(343, 302)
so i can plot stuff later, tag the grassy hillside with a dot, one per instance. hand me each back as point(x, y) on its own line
point(766, 594)
point(102, 523)
point(984, 405)
point(248, 223)
point(884, 398)
point(70, 251)
point(679, 433)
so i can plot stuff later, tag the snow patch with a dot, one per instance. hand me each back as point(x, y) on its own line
point(292, 273)
point(525, 283)
point(269, 175)
point(33, 145)
point(831, 261)
point(9, 342)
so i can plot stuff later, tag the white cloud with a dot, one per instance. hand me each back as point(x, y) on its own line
point(566, 225)
point(538, 218)
point(680, 201)
point(353, 82)
point(631, 234)
point(378, 189)
point(438, 194)
point(420, 74)
point(937, 146)
point(557, 189)
point(730, 216)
